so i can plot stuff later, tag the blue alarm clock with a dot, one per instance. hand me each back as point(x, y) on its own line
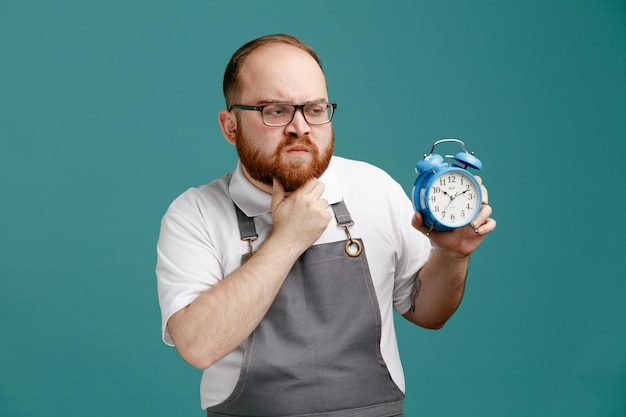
point(446, 194)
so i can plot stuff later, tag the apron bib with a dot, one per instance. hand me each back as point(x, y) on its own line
point(317, 350)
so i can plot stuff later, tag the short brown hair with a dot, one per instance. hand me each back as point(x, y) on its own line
point(231, 84)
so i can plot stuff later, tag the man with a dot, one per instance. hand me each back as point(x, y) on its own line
point(279, 280)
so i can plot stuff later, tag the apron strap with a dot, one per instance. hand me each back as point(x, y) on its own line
point(247, 231)
point(342, 214)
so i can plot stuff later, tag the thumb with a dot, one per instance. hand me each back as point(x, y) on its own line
point(417, 221)
point(278, 194)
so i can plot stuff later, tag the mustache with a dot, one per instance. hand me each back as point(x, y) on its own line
point(304, 140)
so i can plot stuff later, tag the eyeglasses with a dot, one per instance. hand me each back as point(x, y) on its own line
point(281, 114)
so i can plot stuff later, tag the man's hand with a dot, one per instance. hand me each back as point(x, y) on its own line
point(464, 240)
point(300, 218)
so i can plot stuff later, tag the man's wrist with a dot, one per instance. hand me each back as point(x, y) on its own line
point(450, 255)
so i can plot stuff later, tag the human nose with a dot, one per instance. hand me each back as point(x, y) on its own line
point(298, 127)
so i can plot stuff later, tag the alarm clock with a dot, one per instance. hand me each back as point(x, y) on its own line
point(446, 194)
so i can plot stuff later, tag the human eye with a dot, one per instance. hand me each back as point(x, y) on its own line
point(274, 110)
point(315, 109)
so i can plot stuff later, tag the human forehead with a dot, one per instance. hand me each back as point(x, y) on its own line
point(284, 73)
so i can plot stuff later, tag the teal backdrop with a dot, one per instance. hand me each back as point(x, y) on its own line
point(108, 111)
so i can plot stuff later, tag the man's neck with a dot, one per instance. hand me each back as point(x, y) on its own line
point(258, 184)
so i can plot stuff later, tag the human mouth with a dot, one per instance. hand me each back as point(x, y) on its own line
point(297, 150)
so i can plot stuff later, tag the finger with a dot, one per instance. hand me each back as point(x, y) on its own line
point(483, 214)
point(489, 225)
point(483, 189)
point(485, 194)
point(278, 194)
point(418, 223)
point(316, 196)
point(483, 224)
point(417, 220)
point(318, 189)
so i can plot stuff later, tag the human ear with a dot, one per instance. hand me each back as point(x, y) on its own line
point(228, 123)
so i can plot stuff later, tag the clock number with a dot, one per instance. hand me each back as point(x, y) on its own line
point(450, 186)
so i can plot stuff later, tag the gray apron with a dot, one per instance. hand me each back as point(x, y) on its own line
point(317, 350)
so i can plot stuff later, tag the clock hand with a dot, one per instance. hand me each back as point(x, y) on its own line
point(456, 194)
point(451, 200)
point(451, 197)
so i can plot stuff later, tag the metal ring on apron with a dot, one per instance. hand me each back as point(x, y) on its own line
point(350, 244)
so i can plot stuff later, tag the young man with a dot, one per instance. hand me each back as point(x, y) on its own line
point(279, 280)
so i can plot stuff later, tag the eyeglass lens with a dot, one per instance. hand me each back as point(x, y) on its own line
point(282, 114)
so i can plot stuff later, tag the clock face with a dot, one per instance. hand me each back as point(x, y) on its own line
point(454, 198)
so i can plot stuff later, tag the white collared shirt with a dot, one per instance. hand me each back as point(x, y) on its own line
point(199, 245)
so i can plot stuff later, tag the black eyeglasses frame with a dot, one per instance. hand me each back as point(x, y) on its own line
point(295, 107)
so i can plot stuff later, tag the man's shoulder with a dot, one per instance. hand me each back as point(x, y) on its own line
point(210, 195)
point(341, 163)
point(358, 170)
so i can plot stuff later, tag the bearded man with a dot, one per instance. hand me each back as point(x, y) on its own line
point(279, 280)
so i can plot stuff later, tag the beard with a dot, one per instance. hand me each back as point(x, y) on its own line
point(290, 173)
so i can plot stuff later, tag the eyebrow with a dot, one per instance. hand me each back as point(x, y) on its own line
point(270, 101)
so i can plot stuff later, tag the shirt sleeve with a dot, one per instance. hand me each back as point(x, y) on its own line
point(187, 261)
point(413, 252)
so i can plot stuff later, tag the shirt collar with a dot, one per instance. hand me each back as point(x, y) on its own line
point(254, 202)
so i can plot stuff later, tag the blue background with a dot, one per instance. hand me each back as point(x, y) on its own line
point(108, 111)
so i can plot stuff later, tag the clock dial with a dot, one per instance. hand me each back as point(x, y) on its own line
point(454, 198)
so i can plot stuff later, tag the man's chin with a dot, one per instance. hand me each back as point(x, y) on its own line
point(293, 182)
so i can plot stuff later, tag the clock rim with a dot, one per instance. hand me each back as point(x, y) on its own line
point(425, 202)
